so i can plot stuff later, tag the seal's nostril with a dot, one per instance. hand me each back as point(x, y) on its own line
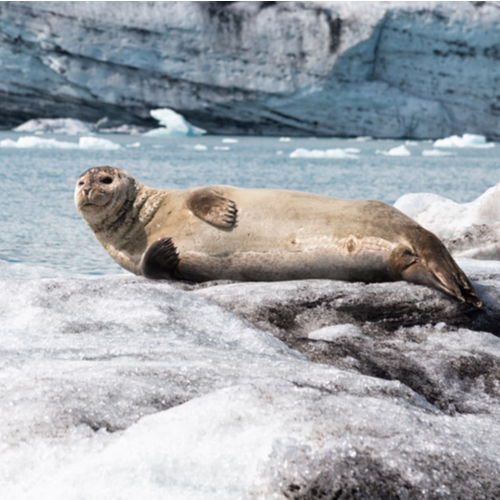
point(86, 191)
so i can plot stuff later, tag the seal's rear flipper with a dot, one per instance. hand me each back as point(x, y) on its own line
point(442, 274)
point(161, 260)
point(212, 207)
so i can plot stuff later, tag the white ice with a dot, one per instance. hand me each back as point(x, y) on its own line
point(123, 388)
point(476, 223)
point(437, 152)
point(397, 151)
point(466, 141)
point(37, 142)
point(172, 125)
point(68, 126)
point(229, 140)
point(328, 153)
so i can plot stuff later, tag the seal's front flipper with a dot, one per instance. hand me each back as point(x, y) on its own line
point(212, 207)
point(161, 260)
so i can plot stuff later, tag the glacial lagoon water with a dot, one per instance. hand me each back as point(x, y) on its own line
point(116, 387)
point(40, 224)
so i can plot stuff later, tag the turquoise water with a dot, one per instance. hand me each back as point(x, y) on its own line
point(40, 225)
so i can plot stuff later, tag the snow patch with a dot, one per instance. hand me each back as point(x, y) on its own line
point(331, 333)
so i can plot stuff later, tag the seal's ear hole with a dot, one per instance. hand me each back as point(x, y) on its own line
point(106, 180)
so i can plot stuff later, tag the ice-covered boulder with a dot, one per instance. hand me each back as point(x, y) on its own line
point(467, 229)
point(384, 69)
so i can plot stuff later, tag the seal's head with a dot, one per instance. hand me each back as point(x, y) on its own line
point(102, 192)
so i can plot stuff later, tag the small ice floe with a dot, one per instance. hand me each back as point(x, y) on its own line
point(466, 141)
point(280, 152)
point(411, 143)
point(328, 153)
point(134, 145)
point(200, 147)
point(97, 143)
point(36, 142)
point(363, 138)
point(467, 229)
point(398, 151)
point(437, 152)
point(172, 125)
point(68, 126)
point(229, 140)
point(222, 148)
point(334, 332)
point(284, 139)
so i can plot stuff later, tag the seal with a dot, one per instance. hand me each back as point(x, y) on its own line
point(224, 232)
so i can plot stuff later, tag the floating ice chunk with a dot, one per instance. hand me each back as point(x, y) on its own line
point(279, 152)
point(173, 125)
point(411, 143)
point(398, 151)
point(334, 332)
point(200, 147)
point(284, 139)
point(437, 152)
point(134, 145)
point(229, 140)
point(466, 141)
point(37, 142)
point(222, 148)
point(363, 138)
point(68, 126)
point(319, 153)
point(96, 143)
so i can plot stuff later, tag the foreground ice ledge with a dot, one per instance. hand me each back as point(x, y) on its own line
point(117, 387)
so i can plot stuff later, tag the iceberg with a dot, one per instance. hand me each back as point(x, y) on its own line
point(328, 153)
point(466, 141)
point(437, 152)
point(397, 151)
point(97, 143)
point(173, 125)
point(467, 229)
point(68, 126)
point(37, 142)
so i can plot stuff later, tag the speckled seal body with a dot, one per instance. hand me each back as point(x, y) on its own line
point(224, 232)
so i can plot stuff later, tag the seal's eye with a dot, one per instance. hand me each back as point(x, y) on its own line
point(81, 183)
point(106, 180)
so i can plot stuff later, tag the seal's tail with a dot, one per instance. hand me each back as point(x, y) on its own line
point(431, 264)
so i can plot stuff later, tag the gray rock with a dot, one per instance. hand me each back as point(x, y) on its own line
point(385, 69)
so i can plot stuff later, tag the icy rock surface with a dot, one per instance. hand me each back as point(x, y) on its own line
point(467, 229)
point(120, 388)
point(383, 69)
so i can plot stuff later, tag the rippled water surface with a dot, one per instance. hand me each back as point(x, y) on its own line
point(40, 225)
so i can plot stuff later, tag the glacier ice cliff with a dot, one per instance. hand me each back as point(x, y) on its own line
point(384, 69)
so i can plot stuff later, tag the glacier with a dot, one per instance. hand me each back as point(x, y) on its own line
point(422, 70)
